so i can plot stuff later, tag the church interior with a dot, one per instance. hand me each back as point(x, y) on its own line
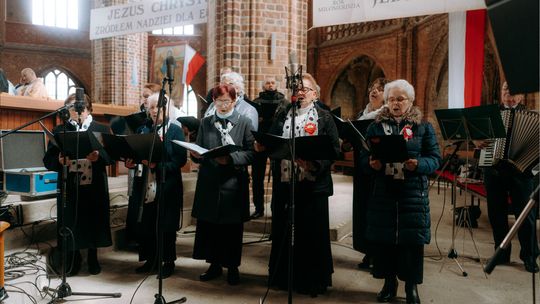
point(255, 39)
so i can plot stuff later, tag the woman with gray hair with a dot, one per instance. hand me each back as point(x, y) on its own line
point(398, 220)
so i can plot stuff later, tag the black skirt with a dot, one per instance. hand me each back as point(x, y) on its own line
point(406, 261)
point(219, 243)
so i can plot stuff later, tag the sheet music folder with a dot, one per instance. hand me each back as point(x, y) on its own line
point(68, 142)
point(208, 153)
point(389, 148)
point(353, 131)
point(317, 147)
point(475, 123)
point(135, 146)
point(129, 124)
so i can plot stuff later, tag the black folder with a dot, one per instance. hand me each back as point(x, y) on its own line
point(336, 112)
point(388, 148)
point(87, 143)
point(317, 147)
point(134, 146)
point(189, 122)
point(353, 131)
point(129, 124)
point(208, 153)
point(474, 123)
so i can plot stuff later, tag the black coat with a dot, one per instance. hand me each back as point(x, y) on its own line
point(269, 97)
point(172, 195)
point(398, 210)
point(222, 194)
point(87, 217)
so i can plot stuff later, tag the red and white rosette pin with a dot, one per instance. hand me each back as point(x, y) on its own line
point(310, 128)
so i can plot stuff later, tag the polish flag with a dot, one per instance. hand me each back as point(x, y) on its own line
point(465, 58)
point(193, 61)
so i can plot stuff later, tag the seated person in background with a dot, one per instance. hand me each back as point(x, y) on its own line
point(32, 86)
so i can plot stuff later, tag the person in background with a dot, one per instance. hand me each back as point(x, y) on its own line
point(87, 214)
point(5, 84)
point(221, 203)
point(224, 70)
point(312, 258)
point(507, 185)
point(269, 95)
point(398, 217)
point(32, 86)
point(171, 194)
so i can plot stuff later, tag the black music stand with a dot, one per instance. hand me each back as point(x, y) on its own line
point(475, 123)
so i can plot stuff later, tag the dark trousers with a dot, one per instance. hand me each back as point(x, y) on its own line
point(219, 243)
point(499, 188)
point(406, 261)
point(148, 239)
point(258, 170)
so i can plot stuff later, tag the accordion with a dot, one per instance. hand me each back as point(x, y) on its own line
point(522, 142)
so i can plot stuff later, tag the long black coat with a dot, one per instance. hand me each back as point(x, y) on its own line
point(88, 217)
point(222, 194)
point(398, 210)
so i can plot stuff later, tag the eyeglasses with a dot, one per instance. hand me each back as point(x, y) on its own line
point(400, 99)
point(306, 89)
point(224, 103)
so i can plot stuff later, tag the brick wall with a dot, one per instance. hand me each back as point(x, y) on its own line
point(239, 35)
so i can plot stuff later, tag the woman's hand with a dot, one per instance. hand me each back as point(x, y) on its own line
point(61, 159)
point(223, 160)
point(258, 147)
point(195, 155)
point(149, 165)
point(411, 164)
point(129, 163)
point(375, 164)
point(304, 164)
point(93, 156)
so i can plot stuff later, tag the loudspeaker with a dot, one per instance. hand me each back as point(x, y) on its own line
point(22, 149)
point(515, 27)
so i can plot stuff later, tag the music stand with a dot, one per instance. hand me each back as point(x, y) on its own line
point(475, 123)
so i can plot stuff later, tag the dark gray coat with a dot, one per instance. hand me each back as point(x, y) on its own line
point(398, 210)
point(222, 194)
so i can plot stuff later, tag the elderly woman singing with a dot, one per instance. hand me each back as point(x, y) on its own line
point(398, 220)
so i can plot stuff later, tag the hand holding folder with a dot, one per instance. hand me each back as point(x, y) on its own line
point(208, 153)
point(135, 146)
point(73, 147)
point(317, 147)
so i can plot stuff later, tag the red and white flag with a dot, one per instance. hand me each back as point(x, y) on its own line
point(193, 61)
point(466, 32)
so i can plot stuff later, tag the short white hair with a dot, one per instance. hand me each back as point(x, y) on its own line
point(236, 79)
point(401, 84)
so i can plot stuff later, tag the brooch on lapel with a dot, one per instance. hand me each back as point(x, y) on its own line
point(407, 132)
point(310, 128)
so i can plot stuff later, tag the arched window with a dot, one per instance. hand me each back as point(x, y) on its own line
point(186, 30)
point(58, 13)
point(189, 107)
point(59, 85)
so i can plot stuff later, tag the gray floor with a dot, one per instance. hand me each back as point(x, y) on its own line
point(443, 282)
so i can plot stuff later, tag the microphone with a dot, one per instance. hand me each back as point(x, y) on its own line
point(293, 74)
point(79, 100)
point(171, 64)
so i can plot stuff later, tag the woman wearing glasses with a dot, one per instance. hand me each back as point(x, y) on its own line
point(398, 220)
point(221, 203)
point(312, 253)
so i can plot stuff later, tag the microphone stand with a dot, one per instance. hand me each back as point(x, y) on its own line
point(162, 109)
point(294, 83)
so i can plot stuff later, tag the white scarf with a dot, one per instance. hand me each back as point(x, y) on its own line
point(394, 169)
point(303, 116)
point(82, 166)
point(226, 138)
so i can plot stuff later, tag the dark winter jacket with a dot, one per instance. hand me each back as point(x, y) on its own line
point(269, 97)
point(398, 210)
point(222, 194)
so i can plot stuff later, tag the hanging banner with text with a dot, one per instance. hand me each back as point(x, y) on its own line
point(332, 12)
point(145, 16)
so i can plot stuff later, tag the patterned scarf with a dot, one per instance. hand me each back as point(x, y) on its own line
point(306, 125)
point(82, 166)
point(394, 169)
point(226, 138)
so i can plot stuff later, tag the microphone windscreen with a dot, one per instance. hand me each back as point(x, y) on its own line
point(171, 64)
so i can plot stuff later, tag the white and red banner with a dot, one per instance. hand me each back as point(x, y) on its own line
point(193, 61)
point(332, 12)
point(466, 32)
point(144, 16)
